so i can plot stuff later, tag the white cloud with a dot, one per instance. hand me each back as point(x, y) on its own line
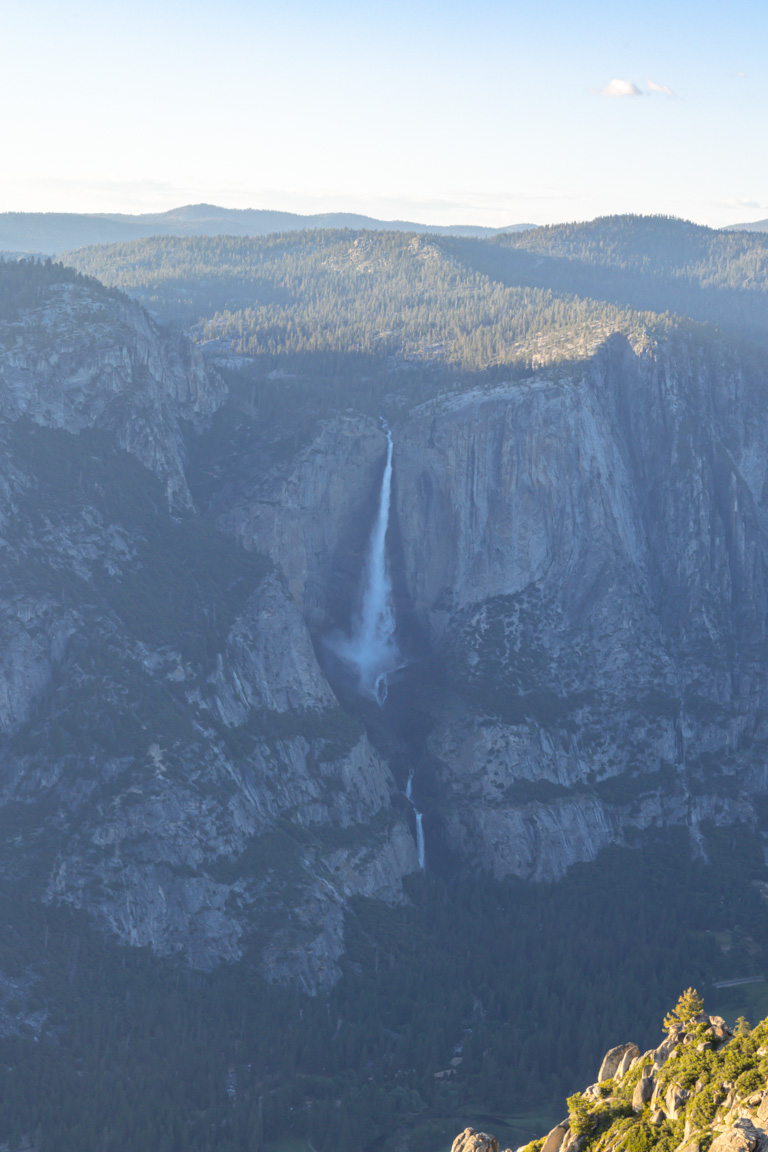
point(663, 89)
point(621, 88)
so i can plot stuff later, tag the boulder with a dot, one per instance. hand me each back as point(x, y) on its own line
point(743, 1137)
point(674, 1101)
point(632, 1053)
point(658, 1117)
point(613, 1059)
point(572, 1142)
point(643, 1090)
point(665, 1049)
point(762, 1112)
point(554, 1140)
point(471, 1141)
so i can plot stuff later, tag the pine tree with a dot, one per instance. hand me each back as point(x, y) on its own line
point(689, 1005)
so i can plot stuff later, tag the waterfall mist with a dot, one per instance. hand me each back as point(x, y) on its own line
point(371, 650)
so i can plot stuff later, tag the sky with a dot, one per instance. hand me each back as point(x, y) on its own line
point(492, 113)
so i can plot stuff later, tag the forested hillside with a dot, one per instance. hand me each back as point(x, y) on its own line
point(390, 299)
point(478, 1004)
point(646, 262)
point(471, 305)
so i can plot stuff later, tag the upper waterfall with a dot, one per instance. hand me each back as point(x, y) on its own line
point(371, 650)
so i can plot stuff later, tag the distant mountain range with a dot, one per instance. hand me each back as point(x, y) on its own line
point(55, 232)
point(755, 226)
point(52, 233)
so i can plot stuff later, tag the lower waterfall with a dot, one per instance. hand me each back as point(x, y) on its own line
point(419, 825)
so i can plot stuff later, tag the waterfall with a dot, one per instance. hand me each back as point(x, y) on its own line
point(420, 838)
point(371, 649)
point(419, 826)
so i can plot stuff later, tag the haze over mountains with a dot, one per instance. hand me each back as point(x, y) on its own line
point(54, 232)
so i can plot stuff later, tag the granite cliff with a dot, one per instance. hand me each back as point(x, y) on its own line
point(587, 554)
point(579, 563)
point(173, 759)
point(580, 569)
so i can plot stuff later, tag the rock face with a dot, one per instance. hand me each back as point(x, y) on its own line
point(614, 1059)
point(581, 559)
point(743, 1137)
point(312, 514)
point(556, 1138)
point(172, 758)
point(580, 568)
point(586, 552)
point(87, 358)
point(643, 1090)
point(631, 1054)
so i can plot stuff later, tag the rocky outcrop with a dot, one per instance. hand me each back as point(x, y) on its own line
point(614, 1059)
point(643, 1089)
point(268, 662)
point(631, 1054)
point(556, 1138)
point(743, 1137)
point(88, 358)
point(714, 1112)
point(471, 1141)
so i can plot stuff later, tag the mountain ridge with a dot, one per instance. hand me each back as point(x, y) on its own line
point(55, 232)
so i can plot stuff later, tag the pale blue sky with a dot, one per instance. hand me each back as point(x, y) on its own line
point(424, 110)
